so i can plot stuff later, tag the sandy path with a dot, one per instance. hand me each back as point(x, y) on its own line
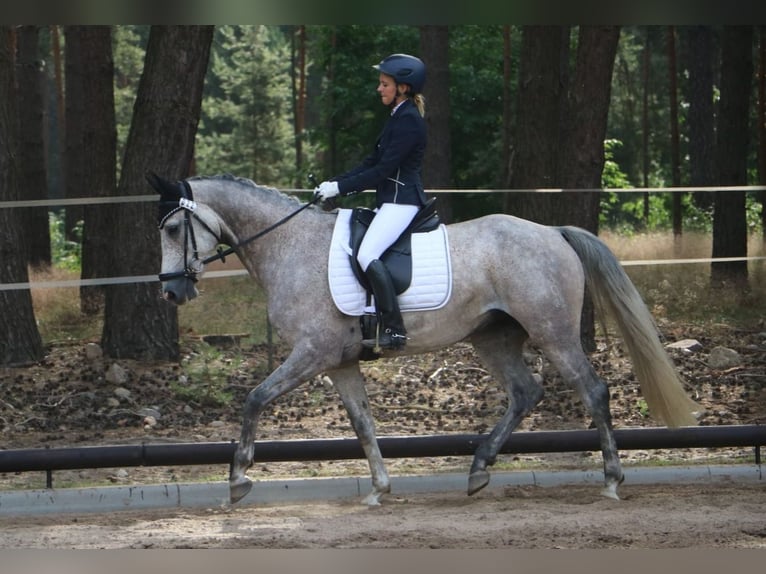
point(656, 516)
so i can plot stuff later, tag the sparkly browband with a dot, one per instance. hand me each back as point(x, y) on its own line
point(174, 200)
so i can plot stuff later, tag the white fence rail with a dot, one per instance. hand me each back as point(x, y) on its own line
point(54, 284)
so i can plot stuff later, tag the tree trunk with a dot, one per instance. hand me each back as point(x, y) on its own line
point(434, 50)
point(729, 221)
point(507, 108)
point(73, 213)
point(75, 86)
point(584, 131)
point(91, 147)
point(675, 151)
point(536, 136)
point(584, 128)
point(299, 96)
point(761, 115)
point(332, 162)
point(31, 146)
point(701, 115)
point(20, 340)
point(59, 179)
point(138, 323)
point(645, 73)
point(560, 136)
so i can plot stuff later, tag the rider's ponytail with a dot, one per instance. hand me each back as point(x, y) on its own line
point(420, 102)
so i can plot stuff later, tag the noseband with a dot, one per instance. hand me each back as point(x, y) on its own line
point(189, 206)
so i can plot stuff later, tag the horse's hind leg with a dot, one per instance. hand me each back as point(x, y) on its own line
point(500, 349)
point(575, 368)
point(350, 386)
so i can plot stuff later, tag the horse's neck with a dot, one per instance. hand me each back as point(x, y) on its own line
point(245, 212)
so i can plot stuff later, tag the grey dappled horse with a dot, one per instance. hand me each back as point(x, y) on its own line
point(513, 281)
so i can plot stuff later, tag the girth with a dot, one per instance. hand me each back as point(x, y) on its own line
point(398, 257)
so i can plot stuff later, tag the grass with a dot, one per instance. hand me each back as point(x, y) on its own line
point(226, 306)
point(682, 292)
point(229, 305)
point(57, 310)
point(206, 375)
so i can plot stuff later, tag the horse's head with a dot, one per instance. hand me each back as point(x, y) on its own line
point(188, 232)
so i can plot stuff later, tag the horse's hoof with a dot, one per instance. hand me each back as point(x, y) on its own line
point(239, 488)
point(477, 480)
point(610, 491)
point(372, 499)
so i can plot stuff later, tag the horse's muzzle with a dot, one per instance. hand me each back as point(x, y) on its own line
point(179, 291)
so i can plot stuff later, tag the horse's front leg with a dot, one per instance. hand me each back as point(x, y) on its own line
point(298, 367)
point(350, 386)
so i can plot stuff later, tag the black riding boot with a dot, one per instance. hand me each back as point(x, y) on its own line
point(391, 332)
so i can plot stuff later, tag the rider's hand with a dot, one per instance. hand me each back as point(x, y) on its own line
point(327, 189)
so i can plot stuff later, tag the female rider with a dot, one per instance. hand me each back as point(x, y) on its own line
point(393, 170)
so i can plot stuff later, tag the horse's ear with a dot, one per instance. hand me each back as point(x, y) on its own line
point(170, 194)
point(160, 185)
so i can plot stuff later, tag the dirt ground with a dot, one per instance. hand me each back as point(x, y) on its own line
point(567, 517)
point(70, 399)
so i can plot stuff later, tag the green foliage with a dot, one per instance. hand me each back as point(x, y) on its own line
point(627, 100)
point(476, 105)
point(695, 218)
point(350, 114)
point(246, 124)
point(627, 213)
point(612, 176)
point(208, 370)
point(476, 115)
point(612, 207)
point(128, 50)
point(624, 213)
point(65, 254)
point(753, 209)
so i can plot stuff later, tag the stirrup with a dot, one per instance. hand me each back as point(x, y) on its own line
point(388, 340)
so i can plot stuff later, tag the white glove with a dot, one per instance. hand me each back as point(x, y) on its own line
point(327, 189)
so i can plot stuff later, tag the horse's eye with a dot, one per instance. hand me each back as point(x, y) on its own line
point(172, 229)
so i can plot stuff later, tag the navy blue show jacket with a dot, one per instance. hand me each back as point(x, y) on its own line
point(393, 168)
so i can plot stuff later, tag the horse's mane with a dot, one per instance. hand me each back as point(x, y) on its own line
point(247, 185)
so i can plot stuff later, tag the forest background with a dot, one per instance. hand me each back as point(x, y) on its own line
point(89, 109)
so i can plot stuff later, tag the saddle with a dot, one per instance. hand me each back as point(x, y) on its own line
point(398, 257)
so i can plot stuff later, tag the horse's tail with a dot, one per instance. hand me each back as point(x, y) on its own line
point(613, 292)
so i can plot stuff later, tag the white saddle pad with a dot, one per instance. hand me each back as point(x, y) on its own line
point(431, 284)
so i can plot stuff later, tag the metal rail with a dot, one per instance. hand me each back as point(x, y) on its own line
point(175, 454)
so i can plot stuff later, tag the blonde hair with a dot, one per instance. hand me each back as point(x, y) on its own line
point(420, 102)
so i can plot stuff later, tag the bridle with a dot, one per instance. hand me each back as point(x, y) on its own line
point(193, 266)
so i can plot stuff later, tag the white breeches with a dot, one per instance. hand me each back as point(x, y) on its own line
point(389, 223)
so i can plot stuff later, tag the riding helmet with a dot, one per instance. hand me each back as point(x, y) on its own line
point(405, 69)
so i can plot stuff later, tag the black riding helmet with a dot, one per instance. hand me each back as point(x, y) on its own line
point(405, 69)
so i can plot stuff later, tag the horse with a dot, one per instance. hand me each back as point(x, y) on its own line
point(513, 282)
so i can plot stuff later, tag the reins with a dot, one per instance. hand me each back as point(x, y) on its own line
point(189, 206)
point(222, 254)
